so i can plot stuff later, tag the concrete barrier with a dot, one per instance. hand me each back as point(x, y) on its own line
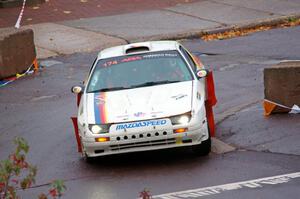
point(282, 84)
point(17, 51)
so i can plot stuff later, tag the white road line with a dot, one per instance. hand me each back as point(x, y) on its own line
point(256, 183)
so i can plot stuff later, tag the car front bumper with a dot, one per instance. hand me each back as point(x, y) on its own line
point(145, 141)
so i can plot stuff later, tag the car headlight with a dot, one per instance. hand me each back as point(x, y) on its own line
point(99, 128)
point(181, 119)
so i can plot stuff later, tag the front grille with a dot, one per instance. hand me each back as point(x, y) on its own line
point(143, 144)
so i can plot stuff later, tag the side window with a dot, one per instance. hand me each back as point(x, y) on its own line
point(189, 59)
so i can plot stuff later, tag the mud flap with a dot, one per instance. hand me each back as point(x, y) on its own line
point(75, 125)
point(210, 102)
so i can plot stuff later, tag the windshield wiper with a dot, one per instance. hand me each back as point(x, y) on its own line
point(153, 83)
point(109, 89)
point(134, 86)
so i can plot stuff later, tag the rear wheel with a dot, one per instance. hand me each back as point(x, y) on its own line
point(204, 148)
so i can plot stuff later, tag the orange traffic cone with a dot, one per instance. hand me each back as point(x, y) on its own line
point(273, 107)
point(35, 65)
point(269, 107)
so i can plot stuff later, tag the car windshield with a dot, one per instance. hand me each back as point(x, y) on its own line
point(138, 70)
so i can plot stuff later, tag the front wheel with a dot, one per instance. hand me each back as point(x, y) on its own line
point(85, 157)
point(203, 149)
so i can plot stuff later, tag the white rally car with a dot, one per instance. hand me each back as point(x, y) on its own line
point(143, 96)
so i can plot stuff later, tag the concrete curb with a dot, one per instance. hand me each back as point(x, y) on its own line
point(220, 147)
point(222, 29)
point(190, 34)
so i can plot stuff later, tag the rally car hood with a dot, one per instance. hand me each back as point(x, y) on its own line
point(139, 103)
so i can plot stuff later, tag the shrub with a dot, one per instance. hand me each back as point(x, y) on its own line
point(16, 173)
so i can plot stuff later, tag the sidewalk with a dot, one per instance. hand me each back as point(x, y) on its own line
point(184, 20)
point(61, 10)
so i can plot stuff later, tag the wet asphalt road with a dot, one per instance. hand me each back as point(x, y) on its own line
point(38, 108)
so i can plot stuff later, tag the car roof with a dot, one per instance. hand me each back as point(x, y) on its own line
point(151, 46)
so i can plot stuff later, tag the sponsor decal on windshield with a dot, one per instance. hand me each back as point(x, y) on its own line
point(161, 55)
point(119, 60)
point(141, 124)
point(127, 59)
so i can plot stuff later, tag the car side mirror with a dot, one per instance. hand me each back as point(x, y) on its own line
point(77, 89)
point(202, 73)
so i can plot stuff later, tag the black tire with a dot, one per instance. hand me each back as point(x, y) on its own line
point(203, 149)
point(87, 159)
